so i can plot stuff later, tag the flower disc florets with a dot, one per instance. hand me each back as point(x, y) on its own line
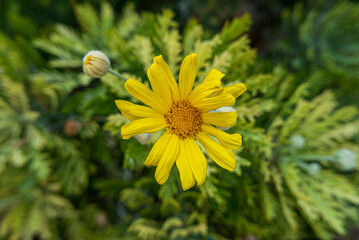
point(183, 119)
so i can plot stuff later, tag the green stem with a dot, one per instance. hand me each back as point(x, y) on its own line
point(315, 158)
point(117, 74)
point(303, 165)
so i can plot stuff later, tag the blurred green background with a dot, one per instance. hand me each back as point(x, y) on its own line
point(65, 172)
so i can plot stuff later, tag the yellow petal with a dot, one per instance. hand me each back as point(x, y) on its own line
point(220, 119)
point(221, 155)
point(214, 74)
point(162, 80)
point(212, 103)
point(235, 90)
point(184, 168)
point(143, 125)
point(157, 150)
point(167, 160)
point(197, 160)
point(187, 74)
point(145, 95)
point(133, 111)
point(211, 84)
point(231, 141)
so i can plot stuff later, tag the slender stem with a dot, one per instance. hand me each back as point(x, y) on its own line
point(304, 165)
point(311, 168)
point(315, 158)
point(117, 74)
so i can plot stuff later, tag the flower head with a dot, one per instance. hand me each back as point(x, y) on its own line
point(345, 160)
point(96, 64)
point(143, 138)
point(297, 141)
point(187, 115)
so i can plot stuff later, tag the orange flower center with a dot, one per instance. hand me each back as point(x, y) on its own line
point(183, 119)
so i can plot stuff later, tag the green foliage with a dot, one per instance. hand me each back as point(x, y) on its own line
point(67, 174)
point(322, 43)
point(333, 38)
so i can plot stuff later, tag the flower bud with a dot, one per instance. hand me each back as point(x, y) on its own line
point(101, 219)
point(143, 138)
point(297, 141)
point(72, 127)
point(313, 168)
point(345, 160)
point(224, 109)
point(96, 64)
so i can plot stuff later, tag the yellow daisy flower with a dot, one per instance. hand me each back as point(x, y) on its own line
point(187, 116)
